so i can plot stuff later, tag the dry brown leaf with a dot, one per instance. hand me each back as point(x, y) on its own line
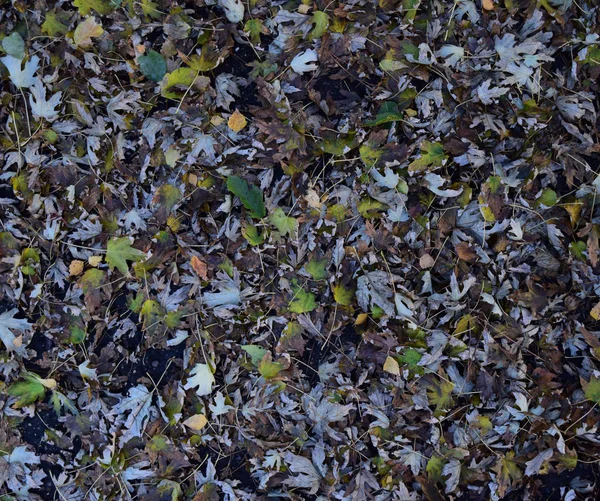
point(199, 267)
point(426, 261)
point(466, 252)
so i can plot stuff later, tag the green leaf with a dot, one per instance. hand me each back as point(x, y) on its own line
point(150, 9)
point(173, 319)
point(151, 316)
point(249, 195)
point(153, 66)
point(286, 225)
point(411, 357)
point(208, 59)
point(387, 113)
point(29, 391)
point(440, 395)
point(369, 154)
point(578, 249)
point(180, 78)
point(167, 197)
point(317, 268)
point(370, 208)
point(250, 233)
point(52, 25)
point(592, 390)
point(91, 280)
point(303, 301)
point(432, 155)
point(548, 197)
point(321, 21)
point(269, 369)
point(135, 303)
point(343, 295)
point(338, 146)
point(119, 251)
point(435, 468)
point(102, 7)
point(410, 7)
point(77, 335)
point(254, 27)
point(256, 352)
point(14, 45)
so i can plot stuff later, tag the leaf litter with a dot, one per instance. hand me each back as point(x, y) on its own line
point(299, 250)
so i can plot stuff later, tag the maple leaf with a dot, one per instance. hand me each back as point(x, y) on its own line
point(119, 251)
point(285, 224)
point(21, 77)
point(201, 378)
point(432, 155)
point(229, 294)
point(85, 31)
point(15, 472)
point(227, 89)
point(305, 475)
point(302, 301)
point(508, 472)
point(220, 407)
point(40, 108)
point(440, 395)
point(8, 324)
point(102, 7)
point(305, 61)
point(139, 405)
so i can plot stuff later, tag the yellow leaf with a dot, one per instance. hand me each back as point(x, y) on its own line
point(595, 313)
point(48, 383)
point(196, 422)
point(237, 121)
point(574, 211)
point(488, 4)
point(361, 318)
point(85, 31)
point(391, 366)
point(75, 268)
point(94, 261)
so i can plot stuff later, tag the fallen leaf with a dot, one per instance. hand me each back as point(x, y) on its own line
point(94, 261)
point(85, 31)
point(595, 312)
point(76, 268)
point(488, 4)
point(426, 261)
point(237, 121)
point(199, 267)
point(361, 318)
point(196, 422)
point(391, 366)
